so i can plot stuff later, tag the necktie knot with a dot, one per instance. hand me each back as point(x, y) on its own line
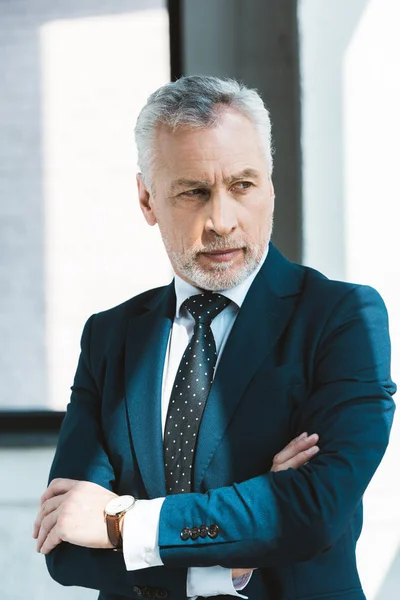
point(205, 307)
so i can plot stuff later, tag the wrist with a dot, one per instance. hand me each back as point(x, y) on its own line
point(115, 511)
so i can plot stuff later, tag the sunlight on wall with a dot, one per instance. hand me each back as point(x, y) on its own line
point(372, 131)
point(96, 75)
point(349, 56)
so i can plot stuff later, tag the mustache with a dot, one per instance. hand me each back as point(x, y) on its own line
point(218, 245)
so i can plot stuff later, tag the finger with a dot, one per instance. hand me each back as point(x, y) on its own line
point(57, 487)
point(299, 437)
point(298, 445)
point(47, 507)
point(291, 449)
point(302, 436)
point(51, 541)
point(297, 461)
point(46, 527)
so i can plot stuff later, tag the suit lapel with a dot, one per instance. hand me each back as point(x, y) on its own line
point(146, 346)
point(261, 321)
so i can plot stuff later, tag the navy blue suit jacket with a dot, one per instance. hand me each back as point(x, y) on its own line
point(305, 354)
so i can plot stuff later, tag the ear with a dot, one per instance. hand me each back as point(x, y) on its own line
point(271, 189)
point(272, 194)
point(145, 200)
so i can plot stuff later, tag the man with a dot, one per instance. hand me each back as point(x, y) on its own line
point(180, 464)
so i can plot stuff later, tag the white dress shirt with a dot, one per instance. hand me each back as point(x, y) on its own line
point(140, 534)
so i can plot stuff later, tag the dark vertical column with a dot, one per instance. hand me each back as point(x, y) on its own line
point(256, 41)
point(175, 38)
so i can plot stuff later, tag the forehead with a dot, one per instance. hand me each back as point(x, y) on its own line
point(231, 145)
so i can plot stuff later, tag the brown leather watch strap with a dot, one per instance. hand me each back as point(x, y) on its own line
point(113, 531)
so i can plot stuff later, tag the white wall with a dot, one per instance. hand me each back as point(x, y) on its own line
point(72, 239)
point(99, 251)
point(350, 55)
point(23, 478)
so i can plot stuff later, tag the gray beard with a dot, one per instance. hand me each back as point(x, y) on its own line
point(220, 277)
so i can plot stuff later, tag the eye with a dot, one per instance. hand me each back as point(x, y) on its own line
point(242, 185)
point(195, 193)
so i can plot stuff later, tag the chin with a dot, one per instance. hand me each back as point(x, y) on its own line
point(217, 279)
point(218, 276)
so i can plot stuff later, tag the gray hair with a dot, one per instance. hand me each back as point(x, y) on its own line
point(195, 102)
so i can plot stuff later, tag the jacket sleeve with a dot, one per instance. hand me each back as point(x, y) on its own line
point(82, 454)
point(277, 518)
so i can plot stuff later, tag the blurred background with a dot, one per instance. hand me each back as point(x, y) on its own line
point(72, 240)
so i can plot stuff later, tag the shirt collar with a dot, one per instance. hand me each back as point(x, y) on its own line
point(237, 294)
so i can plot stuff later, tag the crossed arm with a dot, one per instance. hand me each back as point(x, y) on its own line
point(73, 511)
point(279, 517)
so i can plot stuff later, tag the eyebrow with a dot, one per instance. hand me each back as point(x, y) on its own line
point(204, 183)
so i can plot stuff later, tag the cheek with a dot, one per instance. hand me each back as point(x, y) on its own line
point(189, 227)
point(257, 220)
point(182, 229)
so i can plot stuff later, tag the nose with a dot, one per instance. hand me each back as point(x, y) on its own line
point(222, 215)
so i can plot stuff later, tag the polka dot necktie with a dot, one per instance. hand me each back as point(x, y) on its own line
point(190, 391)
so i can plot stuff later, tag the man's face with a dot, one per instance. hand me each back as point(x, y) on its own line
point(212, 199)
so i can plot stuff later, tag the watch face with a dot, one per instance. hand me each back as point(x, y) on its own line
point(120, 504)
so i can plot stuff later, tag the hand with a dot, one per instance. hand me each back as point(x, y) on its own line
point(296, 454)
point(72, 511)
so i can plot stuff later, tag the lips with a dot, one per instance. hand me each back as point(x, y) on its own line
point(225, 254)
point(224, 251)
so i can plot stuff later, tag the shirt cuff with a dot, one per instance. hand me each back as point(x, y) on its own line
point(212, 581)
point(140, 535)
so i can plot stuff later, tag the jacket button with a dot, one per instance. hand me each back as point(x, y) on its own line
point(203, 531)
point(194, 533)
point(185, 534)
point(213, 531)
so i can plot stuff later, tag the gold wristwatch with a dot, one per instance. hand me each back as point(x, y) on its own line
point(115, 509)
